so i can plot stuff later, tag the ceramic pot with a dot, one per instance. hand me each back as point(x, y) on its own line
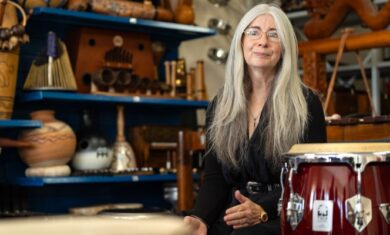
point(92, 160)
point(53, 144)
point(92, 148)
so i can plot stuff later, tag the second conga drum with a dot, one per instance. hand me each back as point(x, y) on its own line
point(94, 225)
point(336, 189)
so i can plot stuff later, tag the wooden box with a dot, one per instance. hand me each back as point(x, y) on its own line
point(88, 46)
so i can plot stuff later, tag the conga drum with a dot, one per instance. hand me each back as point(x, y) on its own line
point(341, 188)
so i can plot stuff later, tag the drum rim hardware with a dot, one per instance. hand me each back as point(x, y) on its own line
point(358, 208)
point(355, 160)
point(358, 211)
point(385, 210)
point(283, 171)
point(295, 206)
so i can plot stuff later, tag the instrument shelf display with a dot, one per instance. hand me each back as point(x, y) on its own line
point(74, 189)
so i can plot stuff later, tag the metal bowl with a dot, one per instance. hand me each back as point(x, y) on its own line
point(222, 26)
point(218, 55)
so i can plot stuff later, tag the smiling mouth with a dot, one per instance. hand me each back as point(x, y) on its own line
point(262, 54)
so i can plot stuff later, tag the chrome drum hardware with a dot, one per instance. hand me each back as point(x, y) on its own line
point(385, 210)
point(295, 206)
point(359, 211)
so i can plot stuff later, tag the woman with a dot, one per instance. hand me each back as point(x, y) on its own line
point(262, 110)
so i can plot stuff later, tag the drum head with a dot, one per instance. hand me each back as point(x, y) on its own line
point(80, 225)
point(339, 148)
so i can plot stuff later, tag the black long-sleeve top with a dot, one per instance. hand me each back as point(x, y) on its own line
point(215, 193)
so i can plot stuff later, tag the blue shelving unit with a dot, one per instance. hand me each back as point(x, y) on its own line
point(36, 96)
point(42, 181)
point(179, 32)
point(19, 124)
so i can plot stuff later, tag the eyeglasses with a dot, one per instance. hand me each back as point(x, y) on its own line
point(256, 33)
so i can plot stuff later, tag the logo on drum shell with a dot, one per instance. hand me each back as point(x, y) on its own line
point(322, 213)
point(322, 216)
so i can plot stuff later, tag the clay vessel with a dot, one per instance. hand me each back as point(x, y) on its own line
point(53, 144)
point(184, 13)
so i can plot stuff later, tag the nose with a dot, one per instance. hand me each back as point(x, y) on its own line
point(263, 40)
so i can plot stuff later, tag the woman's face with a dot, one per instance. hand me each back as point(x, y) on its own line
point(261, 44)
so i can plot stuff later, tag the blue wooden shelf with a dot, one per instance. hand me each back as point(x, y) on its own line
point(42, 181)
point(19, 124)
point(92, 98)
point(89, 19)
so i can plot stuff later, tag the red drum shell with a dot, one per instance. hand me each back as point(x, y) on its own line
point(337, 182)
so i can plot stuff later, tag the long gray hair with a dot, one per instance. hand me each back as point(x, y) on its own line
point(287, 107)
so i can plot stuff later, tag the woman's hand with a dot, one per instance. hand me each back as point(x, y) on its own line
point(197, 225)
point(245, 214)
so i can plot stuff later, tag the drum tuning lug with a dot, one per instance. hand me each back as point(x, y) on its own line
point(295, 209)
point(359, 211)
point(282, 173)
point(280, 205)
point(385, 209)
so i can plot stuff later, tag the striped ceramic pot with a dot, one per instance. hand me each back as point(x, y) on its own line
point(53, 144)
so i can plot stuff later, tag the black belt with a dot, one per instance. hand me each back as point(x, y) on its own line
point(255, 187)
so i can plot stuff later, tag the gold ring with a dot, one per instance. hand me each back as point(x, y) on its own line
point(263, 216)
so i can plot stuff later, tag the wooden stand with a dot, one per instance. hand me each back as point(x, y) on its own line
point(314, 52)
point(187, 141)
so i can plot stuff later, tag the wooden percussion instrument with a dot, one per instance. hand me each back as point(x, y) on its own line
point(359, 129)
